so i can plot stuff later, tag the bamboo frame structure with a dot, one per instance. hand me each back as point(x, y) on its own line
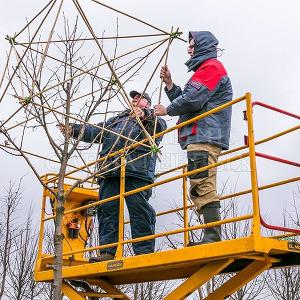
point(49, 7)
point(87, 72)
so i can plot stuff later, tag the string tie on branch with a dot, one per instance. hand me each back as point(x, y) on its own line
point(11, 39)
point(25, 101)
point(155, 149)
point(114, 82)
point(175, 35)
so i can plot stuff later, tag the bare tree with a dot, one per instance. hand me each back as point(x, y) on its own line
point(18, 248)
point(47, 291)
point(284, 283)
point(155, 290)
point(8, 231)
point(21, 283)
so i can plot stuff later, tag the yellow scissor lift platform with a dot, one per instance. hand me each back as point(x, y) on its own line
point(246, 257)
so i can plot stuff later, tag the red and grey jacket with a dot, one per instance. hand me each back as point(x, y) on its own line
point(208, 88)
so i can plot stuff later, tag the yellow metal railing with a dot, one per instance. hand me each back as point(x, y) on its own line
point(255, 216)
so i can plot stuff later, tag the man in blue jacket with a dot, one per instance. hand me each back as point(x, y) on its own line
point(208, 88)
point(139, 173)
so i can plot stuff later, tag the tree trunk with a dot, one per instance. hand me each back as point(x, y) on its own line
point(6, 254)
point(58, 237)
point(58, 246)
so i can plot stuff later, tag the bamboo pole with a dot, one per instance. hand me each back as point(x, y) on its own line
point(59, 106)
point(25, 52)
point(130, 16)
point(37, 155)
point(161, 81)
point(6, 66)
point(161, 42)
point(151, 77)
point(77, 75)
point(84, 122)
point(37, 15)
point(33, 84)
point(19, 69)
point(43, 58)
point(102, 133)
point(48, 43)
point(154, 71)
point(11, 116)
point(113, 71)
point(67, 64)
point(98, 38)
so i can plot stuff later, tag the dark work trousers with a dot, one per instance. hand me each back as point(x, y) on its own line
point(142, 215)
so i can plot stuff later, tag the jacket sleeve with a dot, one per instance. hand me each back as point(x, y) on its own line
point(197, 91)
point(91, 134)
point(149, 121)
point(174, 92)
point(161, 124)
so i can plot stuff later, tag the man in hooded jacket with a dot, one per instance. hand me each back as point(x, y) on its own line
point(208, 88)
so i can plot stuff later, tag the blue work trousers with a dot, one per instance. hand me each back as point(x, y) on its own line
point(142, 215)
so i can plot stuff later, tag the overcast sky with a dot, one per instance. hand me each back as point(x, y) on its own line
point(261, 41)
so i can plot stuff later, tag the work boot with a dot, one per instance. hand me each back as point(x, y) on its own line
point(211, 213)
point(103, 257)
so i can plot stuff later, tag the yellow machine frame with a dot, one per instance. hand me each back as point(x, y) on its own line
point(247, 257)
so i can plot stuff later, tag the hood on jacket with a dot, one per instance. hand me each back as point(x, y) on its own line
point(205, 48)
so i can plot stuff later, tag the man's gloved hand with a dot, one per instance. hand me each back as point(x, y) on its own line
point(160, 110)
point(138, 112)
